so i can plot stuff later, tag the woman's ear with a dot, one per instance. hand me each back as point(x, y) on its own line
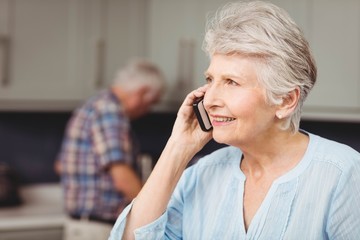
point(290, 102)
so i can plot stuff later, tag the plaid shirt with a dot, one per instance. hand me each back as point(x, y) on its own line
point(97, 135)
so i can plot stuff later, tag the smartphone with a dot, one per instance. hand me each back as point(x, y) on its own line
point(202, 115)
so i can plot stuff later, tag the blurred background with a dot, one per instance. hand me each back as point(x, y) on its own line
point(54, 54)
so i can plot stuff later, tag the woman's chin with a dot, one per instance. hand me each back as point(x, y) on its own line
point(220, 138)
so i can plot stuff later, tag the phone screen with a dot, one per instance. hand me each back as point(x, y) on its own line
point(202, 115)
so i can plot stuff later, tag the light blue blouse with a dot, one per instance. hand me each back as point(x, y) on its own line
point(318, 199)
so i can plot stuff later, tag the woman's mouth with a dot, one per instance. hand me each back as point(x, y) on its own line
point(223, 119)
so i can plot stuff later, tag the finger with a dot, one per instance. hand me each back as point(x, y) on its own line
point(197, 93)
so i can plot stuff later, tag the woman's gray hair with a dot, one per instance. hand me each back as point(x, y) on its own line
point(140, 72)
point(265, 32)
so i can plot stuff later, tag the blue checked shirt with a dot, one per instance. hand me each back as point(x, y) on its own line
point(318, 199)
point(97, 135)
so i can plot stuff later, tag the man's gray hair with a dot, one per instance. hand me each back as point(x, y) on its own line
point(140, 72)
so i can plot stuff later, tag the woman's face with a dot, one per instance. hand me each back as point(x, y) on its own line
point(236, 102)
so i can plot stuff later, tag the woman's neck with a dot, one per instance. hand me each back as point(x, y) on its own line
point(275, 156)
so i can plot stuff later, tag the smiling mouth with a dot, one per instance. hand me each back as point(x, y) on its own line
point(222, 119)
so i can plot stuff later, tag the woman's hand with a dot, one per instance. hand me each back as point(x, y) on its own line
point(185, 141)
point(186, 130)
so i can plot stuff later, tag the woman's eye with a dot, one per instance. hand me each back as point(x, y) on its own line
point(232, 82)
point(208, 80)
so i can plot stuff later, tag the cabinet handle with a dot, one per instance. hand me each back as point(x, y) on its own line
point(5, 60)
point(100, 63)
point(186, 64)
point(101, 47)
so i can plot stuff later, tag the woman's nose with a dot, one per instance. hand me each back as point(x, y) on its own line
point(210, 98)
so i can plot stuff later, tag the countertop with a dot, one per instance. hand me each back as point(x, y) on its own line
point(42, 208)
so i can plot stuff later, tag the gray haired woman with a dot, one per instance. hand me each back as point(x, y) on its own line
point(273, 181)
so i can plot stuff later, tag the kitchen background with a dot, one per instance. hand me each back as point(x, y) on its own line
point(55, 54)
point(30, 140)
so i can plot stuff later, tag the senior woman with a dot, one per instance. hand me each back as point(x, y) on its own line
point(273, 181)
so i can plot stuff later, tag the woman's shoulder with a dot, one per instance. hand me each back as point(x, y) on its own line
point(333, 152)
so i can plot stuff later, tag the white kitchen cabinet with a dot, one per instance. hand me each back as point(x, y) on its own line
point(55, 54)
point(175, 36)
point(334, 36)
point(172, 42)
point(176, 30)
point(115, 33)
point(41, 65)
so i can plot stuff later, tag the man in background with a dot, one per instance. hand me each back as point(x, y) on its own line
point(98, 158)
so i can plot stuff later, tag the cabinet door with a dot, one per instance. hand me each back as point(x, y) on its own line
point(115, 33)
point(173, 44)
point(41, 60)
point(335, 40)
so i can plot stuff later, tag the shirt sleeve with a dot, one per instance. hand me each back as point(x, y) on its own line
point(111, 135)
point(154, 230)
point(167, 226)
point(344, 216)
